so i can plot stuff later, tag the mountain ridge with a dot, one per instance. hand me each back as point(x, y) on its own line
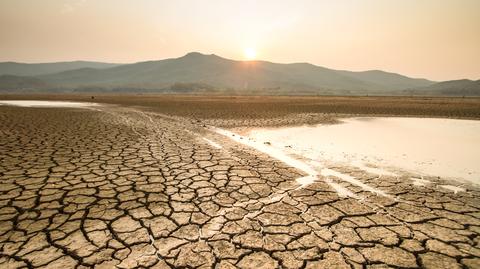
point(459, 87)
point(35, 69)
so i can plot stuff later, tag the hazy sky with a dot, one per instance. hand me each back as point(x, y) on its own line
point(435, 39)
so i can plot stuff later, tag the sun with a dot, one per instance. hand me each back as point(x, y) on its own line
point(249, 54)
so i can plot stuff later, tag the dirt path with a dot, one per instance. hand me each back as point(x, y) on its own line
point(127, 188)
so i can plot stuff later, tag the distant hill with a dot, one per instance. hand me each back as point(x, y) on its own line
point(196, 72)
point(388, 80)
point(462, 87)
point(19, 83)
point(24, 69)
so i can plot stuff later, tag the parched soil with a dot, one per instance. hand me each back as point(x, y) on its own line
point(136, 185)
point(232, 111)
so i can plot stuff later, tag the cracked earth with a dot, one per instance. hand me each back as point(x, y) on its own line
point(123, 188)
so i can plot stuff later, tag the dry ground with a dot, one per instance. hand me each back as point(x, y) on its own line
point(279, 110)
point(130, 187)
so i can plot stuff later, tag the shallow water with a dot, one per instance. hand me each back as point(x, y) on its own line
point(438, 147)
point(212, 143)
point(312, 169)
point(35, 103)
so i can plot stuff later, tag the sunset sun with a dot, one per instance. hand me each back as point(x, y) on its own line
point(249, 54)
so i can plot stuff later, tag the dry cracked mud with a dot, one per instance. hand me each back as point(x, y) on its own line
point(123, 188)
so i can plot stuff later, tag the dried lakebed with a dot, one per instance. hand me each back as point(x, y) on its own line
point(120, 187)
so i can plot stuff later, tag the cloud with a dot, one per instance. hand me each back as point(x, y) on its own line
point(72, 5)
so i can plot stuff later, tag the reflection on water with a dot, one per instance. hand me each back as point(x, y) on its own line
point(34, 103)
point(439, 147)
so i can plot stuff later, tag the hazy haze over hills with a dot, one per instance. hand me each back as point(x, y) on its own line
point(195, 71)
point(24, 69)
point(9, 83)
point(464, 87)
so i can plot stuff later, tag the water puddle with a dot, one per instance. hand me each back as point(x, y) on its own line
point(341, 191)
point(213, 144)
point(269, 150)
point(445, 148)
point(330, 172)
point(34, 103)
point(420, 181)
point(455, 189)
point(306, 180)
point(373, 170)
point(313, 170)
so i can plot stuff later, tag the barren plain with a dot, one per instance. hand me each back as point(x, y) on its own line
point(144, 182)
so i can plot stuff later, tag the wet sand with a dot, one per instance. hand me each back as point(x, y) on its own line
point(132, 185)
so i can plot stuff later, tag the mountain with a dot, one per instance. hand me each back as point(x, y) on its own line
point(196, 72)
point(462, 87)
point(24, 69)
point(224, 73)
point(388, 80)
point(19, 83)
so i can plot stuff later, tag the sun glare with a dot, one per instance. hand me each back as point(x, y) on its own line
point(250, 54)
